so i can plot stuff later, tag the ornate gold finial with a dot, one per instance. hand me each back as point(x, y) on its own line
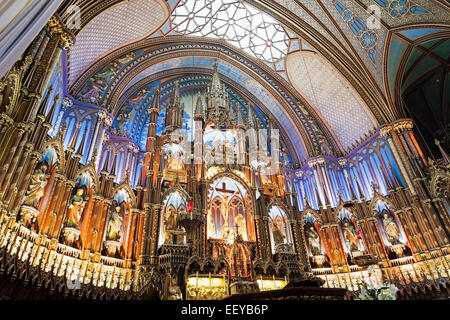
point(306, 200)
point(63, 129)
point(127, 175)
point(340, 196)
point(94, 157)
point(374, 187)
point(57, 28)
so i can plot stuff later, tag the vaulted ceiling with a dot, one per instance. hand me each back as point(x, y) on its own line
point(328, 66)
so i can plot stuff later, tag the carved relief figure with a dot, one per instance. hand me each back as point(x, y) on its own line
point(174, 291)
point(75, 209)
point(277, 231)
point(241, 227)
point(211, 227)
point(37, 186)
point(350, 236)
point(171, 219)
point(114, 227)
point(314, 241)
point(391, 228)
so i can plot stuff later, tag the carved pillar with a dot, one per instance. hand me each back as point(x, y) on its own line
point(61, 209)
point(9, 156)
point(374, 243)
point(49, 214)
point(31, 165)
point(18, 154)
point(144, 258)
point(58, 202)
point(156, 216)
point(18, 176)
point(399, 155)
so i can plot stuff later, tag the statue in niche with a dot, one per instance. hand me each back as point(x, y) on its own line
point(390, 228)
point(350, 236)
point(114, 226)
point(75, 209)
point(241, 227)
point(171, 219)
point(314, 241)
point(211, 227)
point(37, 186)
point(174, 291)
point(278, 236)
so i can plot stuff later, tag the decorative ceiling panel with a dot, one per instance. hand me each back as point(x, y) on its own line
point(334, 98)
point(310, 20)
point(114, 27)
point(409, 12)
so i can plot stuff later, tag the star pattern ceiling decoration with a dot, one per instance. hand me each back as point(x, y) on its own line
point(236, 22)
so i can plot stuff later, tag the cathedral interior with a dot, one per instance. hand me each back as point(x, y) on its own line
point(205, 149)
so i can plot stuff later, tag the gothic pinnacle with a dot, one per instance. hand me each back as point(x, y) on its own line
point(106, 164)
point(74, 137)
point(360, 191)
point(114, 166)
point(83, 139)
point(386, 179)
point(175, 100)
point(199, 110)
point(155, 99)
point(44, 103)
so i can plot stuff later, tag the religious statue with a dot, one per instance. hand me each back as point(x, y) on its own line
point(210, 226)
point(391, 229)
point(350, 236)
point(278, 236)
point(314, 241)
point(114, 227)
point(37, 186)
point(241, 228)
point(224, 209)
point(171, 219)
point(75, 209)
point(174, 291)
